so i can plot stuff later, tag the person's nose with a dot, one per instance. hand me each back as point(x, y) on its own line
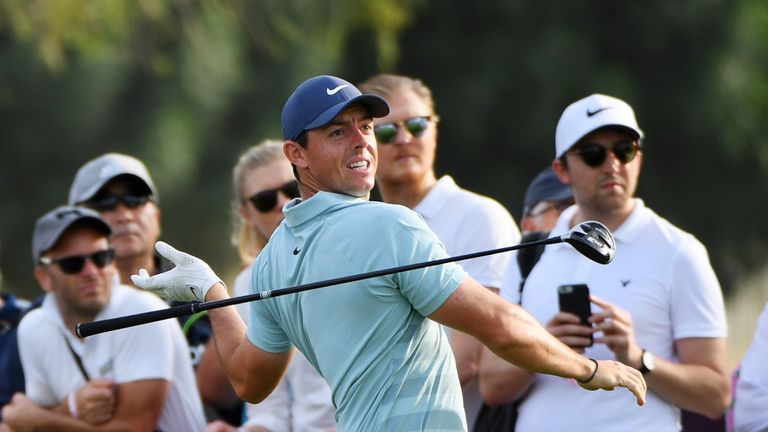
point(89, 268)
point(282, 199)
point(611, 163)
point(122, 213)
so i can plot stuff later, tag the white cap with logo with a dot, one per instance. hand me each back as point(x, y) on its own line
point(592, 113)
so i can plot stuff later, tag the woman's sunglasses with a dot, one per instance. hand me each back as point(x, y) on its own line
point(110, 202)
point(265, 201)
point(74, 264)
point(386, 132)
point(594, 154)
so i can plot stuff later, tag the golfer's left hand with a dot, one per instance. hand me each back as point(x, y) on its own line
point(190, 280)
point(611, 374)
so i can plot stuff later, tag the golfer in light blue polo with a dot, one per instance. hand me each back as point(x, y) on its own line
point(375, 341)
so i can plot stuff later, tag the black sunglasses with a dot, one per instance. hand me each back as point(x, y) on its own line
point(594, 154)
point(110, 202)
point(74, 264)
point(386, 132)
point(265, 201)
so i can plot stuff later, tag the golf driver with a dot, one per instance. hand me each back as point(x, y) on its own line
point(591, 239)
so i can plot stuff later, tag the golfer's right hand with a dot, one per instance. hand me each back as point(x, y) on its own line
point(611, 374)
point(190, 280)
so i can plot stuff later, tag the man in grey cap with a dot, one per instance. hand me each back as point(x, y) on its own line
point(545, 198)
point(112, 381)
point(119, 187)
point(377, 342)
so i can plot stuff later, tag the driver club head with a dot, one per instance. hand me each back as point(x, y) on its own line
point(593, 240)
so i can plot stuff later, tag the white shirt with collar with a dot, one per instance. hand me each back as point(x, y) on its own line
point(662, 276)
point(750, 405)
point(467, 222)
point(151, 351)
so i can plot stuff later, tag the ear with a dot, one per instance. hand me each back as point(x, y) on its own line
point(561, 171)
point(159, 216)
point(44, 278)
point(295, 153)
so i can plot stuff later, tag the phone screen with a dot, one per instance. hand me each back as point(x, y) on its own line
point(575, 299)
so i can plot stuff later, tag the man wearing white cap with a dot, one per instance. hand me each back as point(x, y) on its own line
point(376, 342)
point(657, 307)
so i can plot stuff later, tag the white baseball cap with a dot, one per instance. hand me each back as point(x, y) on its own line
point(592, 113)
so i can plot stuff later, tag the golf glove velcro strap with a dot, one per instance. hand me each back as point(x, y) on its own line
point(190, 280)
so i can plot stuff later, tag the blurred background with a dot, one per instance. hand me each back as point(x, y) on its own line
point(187, 85)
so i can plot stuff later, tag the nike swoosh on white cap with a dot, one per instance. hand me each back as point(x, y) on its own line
point(336, 90)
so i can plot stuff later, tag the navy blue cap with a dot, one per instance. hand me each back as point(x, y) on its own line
point(545, 187)
point(319, 99)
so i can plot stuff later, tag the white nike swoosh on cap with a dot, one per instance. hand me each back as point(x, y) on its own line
point(336, 90)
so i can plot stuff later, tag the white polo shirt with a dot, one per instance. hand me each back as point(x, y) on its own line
point(467, 222)
point(151, 351)
point(750, 408)
point(662, 277)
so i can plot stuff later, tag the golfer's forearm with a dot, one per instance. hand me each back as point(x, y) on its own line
point(228, 333)
point(531, 347)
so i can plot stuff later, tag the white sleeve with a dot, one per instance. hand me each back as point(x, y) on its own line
point(698, 309)
point(750, 412)
point(488, 227)
point(510, 285)
point(37, 386)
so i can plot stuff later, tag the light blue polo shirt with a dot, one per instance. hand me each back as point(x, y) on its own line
point(389, 367)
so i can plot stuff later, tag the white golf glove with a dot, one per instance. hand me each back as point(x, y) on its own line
point(190, 280)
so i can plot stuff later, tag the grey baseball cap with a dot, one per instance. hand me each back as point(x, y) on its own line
point(545, 187)
point(50, 227)
point(92, 176)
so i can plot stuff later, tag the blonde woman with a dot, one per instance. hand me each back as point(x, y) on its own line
point(263, 183)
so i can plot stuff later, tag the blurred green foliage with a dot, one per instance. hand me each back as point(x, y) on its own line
point(186, 85)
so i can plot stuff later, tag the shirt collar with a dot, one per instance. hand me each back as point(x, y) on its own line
point(437, 198)
point(298, 211)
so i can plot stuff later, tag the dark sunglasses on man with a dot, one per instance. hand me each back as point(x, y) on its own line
point(74, 264)
point(594, 154)
point(266, 200)
point(110, 202)
point(386, 132)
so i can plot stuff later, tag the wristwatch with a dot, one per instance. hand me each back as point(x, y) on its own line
point(647, 362)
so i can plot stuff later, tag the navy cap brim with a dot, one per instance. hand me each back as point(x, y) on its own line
point(375, 104)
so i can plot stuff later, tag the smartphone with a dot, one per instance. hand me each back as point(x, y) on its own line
point(575, 299)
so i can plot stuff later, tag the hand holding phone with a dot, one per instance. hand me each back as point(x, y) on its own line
point(575, 299)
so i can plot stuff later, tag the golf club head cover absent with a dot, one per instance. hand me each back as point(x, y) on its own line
point(190, 280)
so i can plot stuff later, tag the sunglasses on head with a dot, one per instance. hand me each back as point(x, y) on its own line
point(74, 264)
point(110, 202)
point(594, 154)
point(386, 132)
point(265, 201)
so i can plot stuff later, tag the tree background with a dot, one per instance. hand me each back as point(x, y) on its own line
point(187, 85)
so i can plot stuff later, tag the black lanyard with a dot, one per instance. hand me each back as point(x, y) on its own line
point(77, 360)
